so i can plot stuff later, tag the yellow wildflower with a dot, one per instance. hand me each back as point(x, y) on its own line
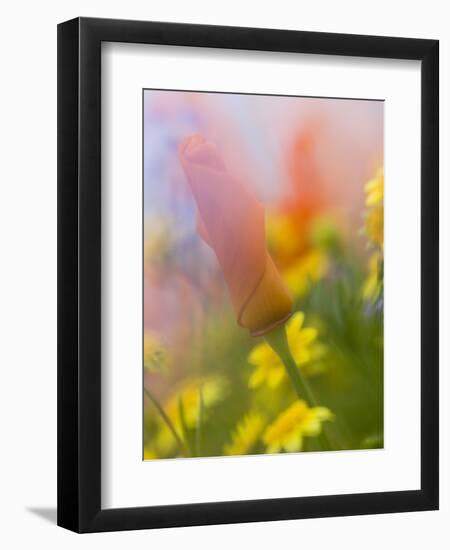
point(375, 214)
point(302, 255)
point(292, 425)
point(156, 357)
point(372, 284)
point(213, 390)
point(375, 232)
point(375, 225)
point(149, 454)
point(304, 348)
point(283, 236)
point(246, 434)
point(309, 268)
point(375, 189)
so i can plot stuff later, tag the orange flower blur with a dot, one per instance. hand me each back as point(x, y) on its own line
point(231, 221)
point(304, 200)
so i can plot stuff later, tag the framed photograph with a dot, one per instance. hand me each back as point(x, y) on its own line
point(247, 274)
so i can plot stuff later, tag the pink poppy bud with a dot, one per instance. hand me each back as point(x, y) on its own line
point(231, 221)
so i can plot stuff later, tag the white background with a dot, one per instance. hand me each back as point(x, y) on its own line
point(28, 274)
point(129, 481)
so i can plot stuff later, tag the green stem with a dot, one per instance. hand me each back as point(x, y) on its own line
point(167, 420)
point(184, 427)
point(277, 340)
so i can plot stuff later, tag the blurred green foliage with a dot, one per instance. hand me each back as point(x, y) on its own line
point(349, 381)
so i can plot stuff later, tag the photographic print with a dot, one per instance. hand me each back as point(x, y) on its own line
point(262, 274)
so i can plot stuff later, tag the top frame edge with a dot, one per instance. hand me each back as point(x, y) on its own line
point(97, 30)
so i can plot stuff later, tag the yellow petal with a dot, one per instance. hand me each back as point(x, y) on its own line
point(308, 335)
point(275, 377)
point(257, 377)
point(293, 442)
point(312, 423)
point(274, 448)
point(295, 323)
point(262, 354)
point(311, 426)
point(322, 413)
point(301, 355)
point(149, 454)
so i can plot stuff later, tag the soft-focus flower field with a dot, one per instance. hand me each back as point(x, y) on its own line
point(274, 207)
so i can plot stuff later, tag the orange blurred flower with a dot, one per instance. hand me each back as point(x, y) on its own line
point(306, 195)
point(231, 221)
point(293, 223)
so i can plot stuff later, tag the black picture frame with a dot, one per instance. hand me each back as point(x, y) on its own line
point(79, 274)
